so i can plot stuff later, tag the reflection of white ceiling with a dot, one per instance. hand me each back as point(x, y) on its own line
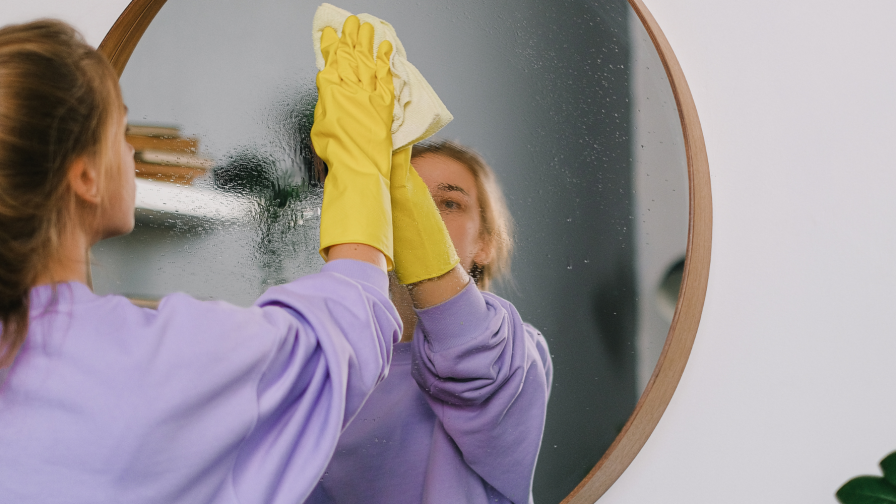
point(189, 201)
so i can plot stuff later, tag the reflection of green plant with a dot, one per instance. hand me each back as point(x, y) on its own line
point(294, 117)
point(872, 489)
point(248, 172)
point(251, 172)
point(278, 179)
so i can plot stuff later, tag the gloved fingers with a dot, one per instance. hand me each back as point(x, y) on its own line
point(384, 85)
point(383, 60)
point(365, 39)
point(346, 63)
point(364, 57)
point(384, 54)
point(328, 42)
point(350, 30)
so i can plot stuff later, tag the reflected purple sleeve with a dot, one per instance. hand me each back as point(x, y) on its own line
point(487, 376)
point(340, 327)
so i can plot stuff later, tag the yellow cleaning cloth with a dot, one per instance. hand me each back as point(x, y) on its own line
point(418, 113)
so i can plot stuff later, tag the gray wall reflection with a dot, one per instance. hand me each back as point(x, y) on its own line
point(660, 199)
point(542, 89)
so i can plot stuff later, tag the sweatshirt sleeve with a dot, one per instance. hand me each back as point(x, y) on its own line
point(339, 327)
point(487, 376)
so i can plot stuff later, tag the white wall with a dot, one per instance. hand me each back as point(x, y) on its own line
point(788, 390)
point(92, 17)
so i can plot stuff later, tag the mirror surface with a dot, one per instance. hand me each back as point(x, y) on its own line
point(567, 101)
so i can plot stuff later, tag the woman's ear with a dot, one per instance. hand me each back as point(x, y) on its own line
point(84, 179)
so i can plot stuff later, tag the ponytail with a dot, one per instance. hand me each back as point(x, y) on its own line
point(58, 98)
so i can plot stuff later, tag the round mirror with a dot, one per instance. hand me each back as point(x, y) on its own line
point(578, 106)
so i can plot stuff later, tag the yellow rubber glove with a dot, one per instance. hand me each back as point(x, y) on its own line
point(423, 247)
point(352, 133)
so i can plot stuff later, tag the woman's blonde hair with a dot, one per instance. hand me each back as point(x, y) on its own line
point(496, 229)
point(59, 99)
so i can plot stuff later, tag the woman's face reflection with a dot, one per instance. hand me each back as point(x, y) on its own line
point(453, 188)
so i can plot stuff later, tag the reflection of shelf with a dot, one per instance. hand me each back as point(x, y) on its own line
point(188, 202)
point(163, 173)
point(160, 153)
point(141, 143)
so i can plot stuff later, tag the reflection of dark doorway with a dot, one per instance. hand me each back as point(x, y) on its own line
point(574, 264)
point(670, 287)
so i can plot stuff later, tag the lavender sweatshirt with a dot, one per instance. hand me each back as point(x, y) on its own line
point(458, 419)
point(197, 402)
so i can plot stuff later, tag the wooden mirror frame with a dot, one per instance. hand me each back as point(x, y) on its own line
point(119, 44)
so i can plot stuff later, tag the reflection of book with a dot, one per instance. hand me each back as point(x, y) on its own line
point(160, 153)
point(153, 131)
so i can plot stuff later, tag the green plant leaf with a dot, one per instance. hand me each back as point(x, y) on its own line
point(867, 490)
point(888, 464)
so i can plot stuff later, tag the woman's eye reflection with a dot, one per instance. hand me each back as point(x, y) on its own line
point(447, 205)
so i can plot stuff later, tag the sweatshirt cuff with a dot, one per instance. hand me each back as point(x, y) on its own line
point(359, 271)
point(455, 321)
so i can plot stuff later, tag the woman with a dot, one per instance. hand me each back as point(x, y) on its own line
point(103, 401)
point(461, 414)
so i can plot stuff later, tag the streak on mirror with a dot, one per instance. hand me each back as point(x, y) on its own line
point(568, 101)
